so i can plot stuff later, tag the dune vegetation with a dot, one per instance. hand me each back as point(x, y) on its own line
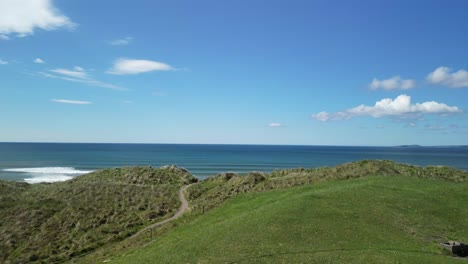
point(366, 211)
point(374, 219)
point(53, 223)
point(360, 212)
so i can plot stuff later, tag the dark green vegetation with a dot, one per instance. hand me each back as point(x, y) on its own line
point(215, 190)
point(53, 223)
point(363, 212)
point(360, 212)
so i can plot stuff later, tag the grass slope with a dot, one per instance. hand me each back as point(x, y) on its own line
point(213, 191)
point(52, 223)
point(372, 219)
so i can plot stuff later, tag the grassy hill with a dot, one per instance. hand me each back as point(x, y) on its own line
point(364, 212)
point(360, 212)
point(213, 191)
point(52, 223)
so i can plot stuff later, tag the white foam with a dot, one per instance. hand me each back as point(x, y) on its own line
point(48, 174)
point(48, 170)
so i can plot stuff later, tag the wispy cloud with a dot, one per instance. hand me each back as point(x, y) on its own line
point(394, 83)
point(75, 102)
point(400, 107)
point(3, 62)
point(275, 125)
point(23, 17)
point(77, 72)
point(445, 76)
point(322, 116)
point(121, 42)
point(79, 75)
point(39, 60)
point(125, 66)
point(434, 127)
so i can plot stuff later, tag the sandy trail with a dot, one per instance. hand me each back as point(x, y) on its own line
point(183, 207)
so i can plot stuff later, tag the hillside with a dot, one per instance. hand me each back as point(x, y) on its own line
point(52, 223)
point(213, 191)
point(372, 219)
point(367, 211)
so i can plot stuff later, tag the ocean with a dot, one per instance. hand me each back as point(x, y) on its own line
point(51, 162)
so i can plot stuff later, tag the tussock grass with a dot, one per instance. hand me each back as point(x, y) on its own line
point(214, 190)
point(366, 211)
point(52, 223)
point(371, 219)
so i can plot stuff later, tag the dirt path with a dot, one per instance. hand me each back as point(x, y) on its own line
point(183, 207)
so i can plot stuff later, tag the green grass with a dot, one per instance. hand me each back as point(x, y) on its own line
point(340, 214)
point(375, 219)
point(52, 223)
point(213, 191)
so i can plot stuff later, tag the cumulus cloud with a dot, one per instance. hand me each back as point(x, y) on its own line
point(121, 42)
point(275, 125)
point(66, 101)
point(39, 60)
point(394, 83)
point(3, 62)
point(400, 107)
point(79, 75)
point(23, 17)
point(445, 76)
point(129, 66)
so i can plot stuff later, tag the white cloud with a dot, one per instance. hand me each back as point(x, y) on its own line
point(400, 107)
point(79, 75)
point(23, 17)
point(4, 37)
point(275, 125)
point(121, 42)
point(322, 116)
point(39, 60)
point(3, 62)
point(129, 66)
point(65, 101)
point(394, 83)
point(434, 127)
point(77, 72)
point(444, 76)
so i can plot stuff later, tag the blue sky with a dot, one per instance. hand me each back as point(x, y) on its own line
point(234, 72)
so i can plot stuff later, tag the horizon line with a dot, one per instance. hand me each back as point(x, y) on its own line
point(229, 144)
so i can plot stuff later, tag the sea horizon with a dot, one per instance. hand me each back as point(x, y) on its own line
point(36, 162)
point(228, 144)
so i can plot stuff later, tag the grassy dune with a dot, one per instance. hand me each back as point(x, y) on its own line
point(52, 223)
point(361, 212)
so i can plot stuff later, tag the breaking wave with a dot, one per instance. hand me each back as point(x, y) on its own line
point(48, 174)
